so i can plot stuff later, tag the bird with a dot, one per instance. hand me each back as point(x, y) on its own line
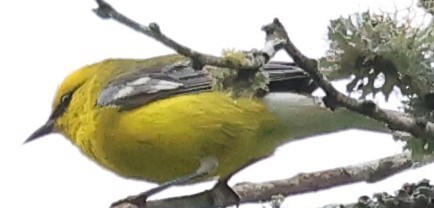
point(162, 121)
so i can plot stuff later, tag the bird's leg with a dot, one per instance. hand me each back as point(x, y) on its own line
point(223, 193)
point(207, 166)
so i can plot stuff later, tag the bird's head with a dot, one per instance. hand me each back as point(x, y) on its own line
point(79, 91)
point(62, 100)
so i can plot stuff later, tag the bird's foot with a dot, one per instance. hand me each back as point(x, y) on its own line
point(224, 194)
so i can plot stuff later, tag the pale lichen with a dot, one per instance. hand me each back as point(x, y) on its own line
point(237, 82)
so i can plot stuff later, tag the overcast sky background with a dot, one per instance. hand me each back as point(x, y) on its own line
point(43, 41)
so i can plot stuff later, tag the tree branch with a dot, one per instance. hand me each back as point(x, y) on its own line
point(369, 172)
point(253, 59)
point(395, 121)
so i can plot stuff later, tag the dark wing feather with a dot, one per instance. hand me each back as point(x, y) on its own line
point(287, 77)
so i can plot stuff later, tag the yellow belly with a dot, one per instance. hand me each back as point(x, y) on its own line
point(168, 138)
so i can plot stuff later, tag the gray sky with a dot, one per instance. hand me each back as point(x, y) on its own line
point(42, 41)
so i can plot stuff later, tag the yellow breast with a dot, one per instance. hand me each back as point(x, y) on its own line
point(167, 139)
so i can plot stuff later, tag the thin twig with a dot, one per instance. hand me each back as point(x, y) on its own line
point(254, 59)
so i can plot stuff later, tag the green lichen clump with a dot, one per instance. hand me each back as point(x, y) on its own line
point(367, 45)
point(237, 81)
point(372, 47)
point(235, 57)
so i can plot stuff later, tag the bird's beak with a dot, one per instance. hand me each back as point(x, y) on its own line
point(45, 129)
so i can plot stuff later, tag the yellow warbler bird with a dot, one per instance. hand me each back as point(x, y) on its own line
point(159, 120)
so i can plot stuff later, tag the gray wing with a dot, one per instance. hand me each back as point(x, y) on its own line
point(147, 85)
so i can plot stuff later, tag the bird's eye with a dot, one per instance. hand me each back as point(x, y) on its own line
point(66, 98)
point(63, 104)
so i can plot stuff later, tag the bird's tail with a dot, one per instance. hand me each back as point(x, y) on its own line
point(312, 115)
point(303, 116)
